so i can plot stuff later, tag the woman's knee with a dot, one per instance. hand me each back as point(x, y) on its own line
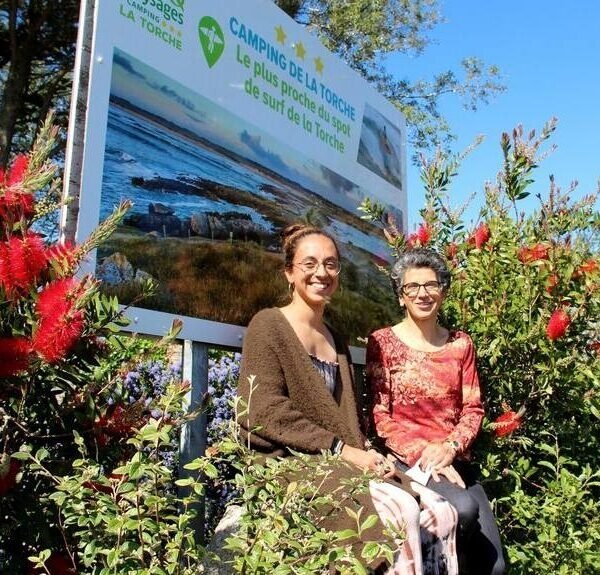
point(467, 509)
point(466, 506)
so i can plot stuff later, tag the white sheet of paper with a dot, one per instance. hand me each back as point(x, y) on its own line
point(418, 475)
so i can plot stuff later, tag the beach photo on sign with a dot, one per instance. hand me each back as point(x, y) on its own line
point(211, 194)
point(380, 148)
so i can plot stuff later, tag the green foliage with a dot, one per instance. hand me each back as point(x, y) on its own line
point(287, 503)
point(60, 377)
point(557, 525)
point(130, 519)
point(283, 527)
point(526, 288)
point(38, 54)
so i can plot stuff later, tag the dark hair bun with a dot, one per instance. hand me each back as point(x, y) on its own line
point(291, 230)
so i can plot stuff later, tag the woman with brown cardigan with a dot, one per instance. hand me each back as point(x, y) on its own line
point(304, 400)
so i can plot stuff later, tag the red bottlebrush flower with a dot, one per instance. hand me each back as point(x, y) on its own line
point(15, 202)
point(424, 234)
point(61, 323)
point(22, 261)
point(558, 324)
point(56, 335)
point(534, 253)
point(14, 355)
point(9, 469)
point(480, 236)
point(421, 237)
point(506, 423)
point(17, 170)
point(58, 297)
point(451, 251)
point(523, 255)
point(119, 423)
point(102, 438)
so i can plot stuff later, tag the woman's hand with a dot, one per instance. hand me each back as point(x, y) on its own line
point(436, 455)
point(449, 473)
point(370, 460)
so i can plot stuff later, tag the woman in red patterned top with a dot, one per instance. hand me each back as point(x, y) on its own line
point(427, 403)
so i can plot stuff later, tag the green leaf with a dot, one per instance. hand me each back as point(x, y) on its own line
point(370, 551)
point(369, 522)
point(185, 482)
point(346, 534)
point(41, 454)
point(359, 568)
point(21, 455)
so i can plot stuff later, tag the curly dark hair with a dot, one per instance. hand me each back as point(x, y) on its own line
point(420, 258)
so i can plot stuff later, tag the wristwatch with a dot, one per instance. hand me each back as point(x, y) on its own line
point(453, 444)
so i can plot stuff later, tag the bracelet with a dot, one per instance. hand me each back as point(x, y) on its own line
point(337, 446)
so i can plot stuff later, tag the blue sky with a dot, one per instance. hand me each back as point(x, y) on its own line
point(549, 55)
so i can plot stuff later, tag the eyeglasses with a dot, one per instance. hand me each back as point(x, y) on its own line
point(412, 289)
point(310, 266)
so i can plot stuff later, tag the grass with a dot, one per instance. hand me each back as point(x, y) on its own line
point(230, 282)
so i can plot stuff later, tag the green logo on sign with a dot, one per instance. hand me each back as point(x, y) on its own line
point(212, 39)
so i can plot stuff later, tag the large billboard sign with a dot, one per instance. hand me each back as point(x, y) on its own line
point(224, 122)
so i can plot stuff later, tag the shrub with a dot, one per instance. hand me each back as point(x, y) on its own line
point(88, 417)
point(130, 519)
point(526, 288)
point(50, 345)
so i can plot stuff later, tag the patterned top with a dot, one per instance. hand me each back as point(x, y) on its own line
point(328, 371)
point(420, 396)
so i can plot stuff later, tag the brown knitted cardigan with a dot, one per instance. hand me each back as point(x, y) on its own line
point(290, 403)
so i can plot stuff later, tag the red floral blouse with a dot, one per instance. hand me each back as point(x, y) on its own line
point(420, 396)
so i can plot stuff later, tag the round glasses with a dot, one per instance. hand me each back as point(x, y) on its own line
point(332, 267)
point(412, 289)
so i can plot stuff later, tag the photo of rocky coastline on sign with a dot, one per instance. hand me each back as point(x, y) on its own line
point(211, 194)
